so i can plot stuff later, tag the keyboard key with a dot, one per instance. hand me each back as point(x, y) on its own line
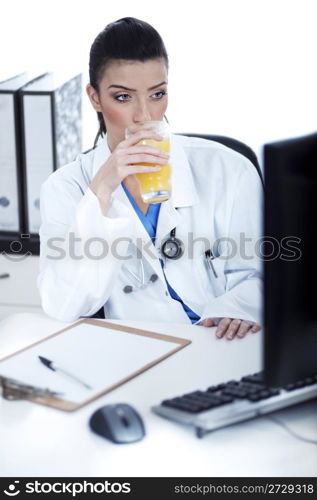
point(294, 385)
point(171, 402)
point(193, 394)
point(274, 391)
point(219, 387)
point(309, 380)
point(265, 394)
point(191, 408)
point(289, 387)
point(215, 400)
point(235, 392)
point(256, 378)
point(206, 405)
point(204, 400)
point(232, 382)
point(215, 388)
point(180, 404)
point(300, 383)
point(252, 388)
point(225, 399)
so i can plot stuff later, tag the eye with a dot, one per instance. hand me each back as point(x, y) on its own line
point(160, 94)
point(122, 97)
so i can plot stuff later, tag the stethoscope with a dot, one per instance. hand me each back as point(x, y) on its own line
point(172, 248)
point(142, 283)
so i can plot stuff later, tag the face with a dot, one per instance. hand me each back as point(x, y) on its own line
point(130, 92)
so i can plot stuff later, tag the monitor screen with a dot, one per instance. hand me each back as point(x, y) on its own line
point(290, 260)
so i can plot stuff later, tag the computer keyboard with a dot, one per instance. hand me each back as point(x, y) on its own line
point(234, 401)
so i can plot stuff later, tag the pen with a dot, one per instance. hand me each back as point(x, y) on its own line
point(52, 366)
point(209, 256)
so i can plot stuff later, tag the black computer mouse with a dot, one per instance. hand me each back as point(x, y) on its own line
point(119, 422)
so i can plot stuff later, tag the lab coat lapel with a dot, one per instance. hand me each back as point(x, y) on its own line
point(142, 238)
point(184, 193)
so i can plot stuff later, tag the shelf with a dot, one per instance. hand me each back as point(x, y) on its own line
point(20, 287)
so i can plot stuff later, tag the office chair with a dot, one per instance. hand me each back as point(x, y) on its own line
point(234, 144)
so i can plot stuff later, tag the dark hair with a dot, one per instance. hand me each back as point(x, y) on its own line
point(129, 39)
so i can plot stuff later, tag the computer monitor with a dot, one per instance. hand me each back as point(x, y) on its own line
point(290, 260)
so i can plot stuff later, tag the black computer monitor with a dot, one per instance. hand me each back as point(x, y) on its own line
point(290, 260)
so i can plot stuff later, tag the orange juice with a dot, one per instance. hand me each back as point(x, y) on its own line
point(156, 186)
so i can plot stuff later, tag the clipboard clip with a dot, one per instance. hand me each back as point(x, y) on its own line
point(15, 390)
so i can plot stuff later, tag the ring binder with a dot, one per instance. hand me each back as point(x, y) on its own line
point(11, 171)
point(51, 134)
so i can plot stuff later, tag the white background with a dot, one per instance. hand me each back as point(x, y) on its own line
point(243, 68)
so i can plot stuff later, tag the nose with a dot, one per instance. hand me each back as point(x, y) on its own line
point(141, 112)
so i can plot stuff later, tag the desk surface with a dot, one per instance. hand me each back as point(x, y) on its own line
point(41, 441)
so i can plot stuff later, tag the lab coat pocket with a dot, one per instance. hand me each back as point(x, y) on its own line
point(211, 273)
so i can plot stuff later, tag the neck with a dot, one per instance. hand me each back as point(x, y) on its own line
point(112, 142)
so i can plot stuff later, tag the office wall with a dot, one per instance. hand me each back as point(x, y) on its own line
point(245, 68)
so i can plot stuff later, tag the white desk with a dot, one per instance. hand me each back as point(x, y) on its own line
point(41, 441)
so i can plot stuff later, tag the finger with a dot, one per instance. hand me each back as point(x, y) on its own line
point(145, 149)
point(233, 328)
point(144, 158)
point(243, 329)
point(208, 322)
point(138, 169)
point(139, 135)
point(222, 327)
point(255, 328)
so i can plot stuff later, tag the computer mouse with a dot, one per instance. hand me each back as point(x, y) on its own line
point(120, 423)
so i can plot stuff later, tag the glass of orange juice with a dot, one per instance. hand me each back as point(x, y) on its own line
point(155, 187)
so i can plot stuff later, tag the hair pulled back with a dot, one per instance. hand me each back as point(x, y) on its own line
point(126, 39)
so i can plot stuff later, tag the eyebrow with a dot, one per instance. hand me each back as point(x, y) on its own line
point(133, 90)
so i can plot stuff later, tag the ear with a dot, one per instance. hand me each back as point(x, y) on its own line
point(93, 96)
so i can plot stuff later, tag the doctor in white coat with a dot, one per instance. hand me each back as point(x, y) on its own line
point(96, 247)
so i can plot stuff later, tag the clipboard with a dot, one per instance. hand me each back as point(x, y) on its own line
point(104, 354)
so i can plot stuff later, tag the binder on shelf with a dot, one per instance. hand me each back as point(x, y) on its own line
point(11, 173)
point(51, 135)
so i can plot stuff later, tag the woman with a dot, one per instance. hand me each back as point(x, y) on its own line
point(99, 240)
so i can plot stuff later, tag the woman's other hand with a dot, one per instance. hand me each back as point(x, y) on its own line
point(231, 328)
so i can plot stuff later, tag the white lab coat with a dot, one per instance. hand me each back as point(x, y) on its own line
point(217, 194)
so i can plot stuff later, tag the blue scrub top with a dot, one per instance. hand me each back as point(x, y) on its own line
point(149, 221)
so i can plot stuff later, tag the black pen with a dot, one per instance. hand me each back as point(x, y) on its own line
point(52, 366)
point(209, 256)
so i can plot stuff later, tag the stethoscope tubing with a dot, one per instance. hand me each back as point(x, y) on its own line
point(173, 249)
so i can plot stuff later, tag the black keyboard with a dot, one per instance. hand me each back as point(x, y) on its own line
point(234, 401)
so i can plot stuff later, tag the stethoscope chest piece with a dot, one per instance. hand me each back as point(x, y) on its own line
point(172, 248)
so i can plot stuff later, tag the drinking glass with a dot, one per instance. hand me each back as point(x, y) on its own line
point(155, 187)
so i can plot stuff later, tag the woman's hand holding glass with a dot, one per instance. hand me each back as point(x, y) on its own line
point(155, 187)
point(125, 160)
point(231, 328)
